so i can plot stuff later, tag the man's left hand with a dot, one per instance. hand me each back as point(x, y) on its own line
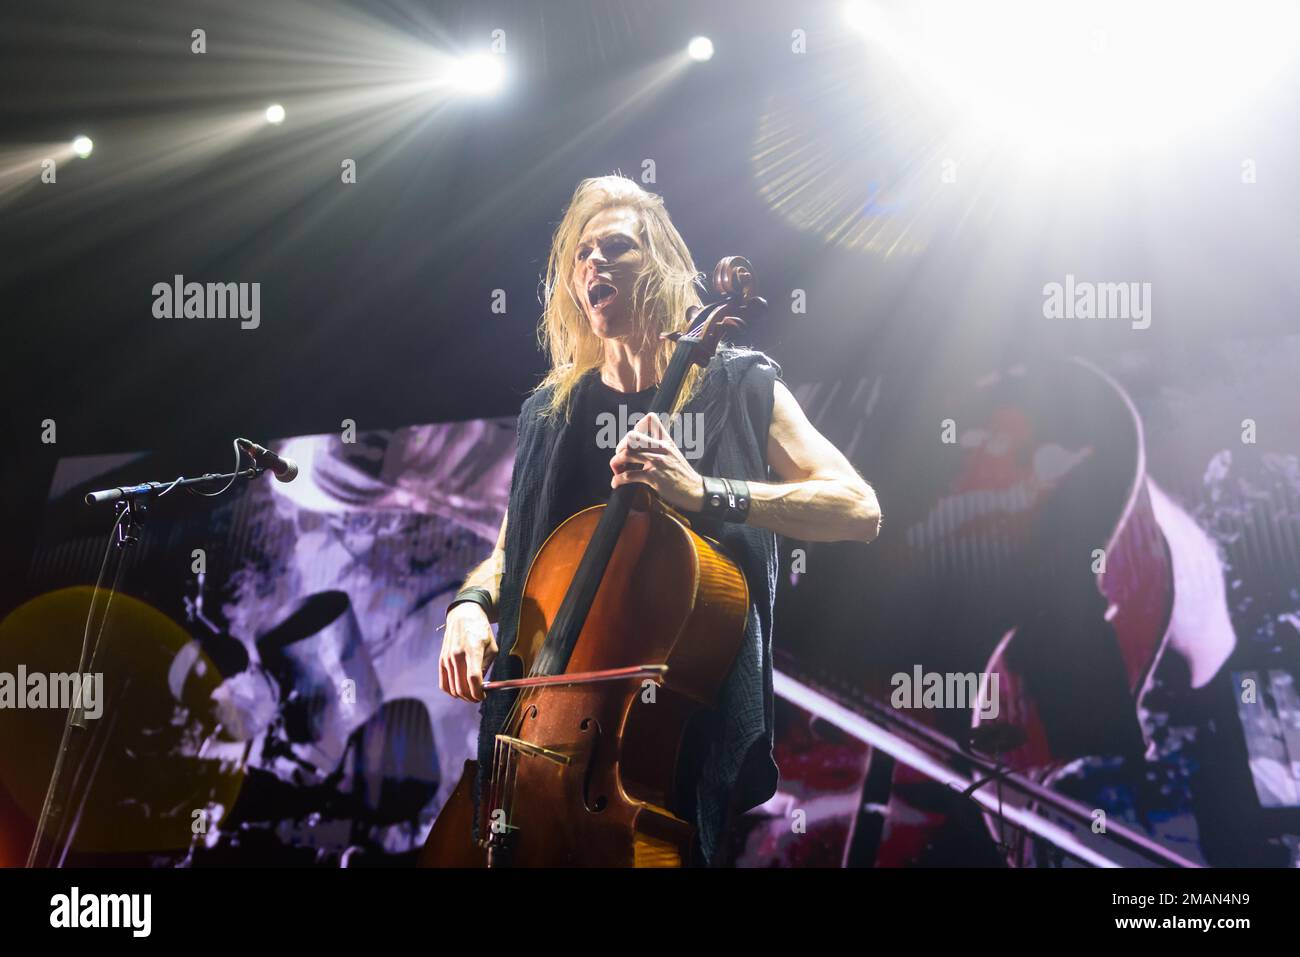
point(648, 455)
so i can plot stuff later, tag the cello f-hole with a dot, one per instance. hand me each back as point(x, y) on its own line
point(598, 803)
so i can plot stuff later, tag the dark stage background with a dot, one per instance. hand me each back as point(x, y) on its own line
point(903, 297)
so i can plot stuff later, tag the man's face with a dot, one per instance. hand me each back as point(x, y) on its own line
point(608, 260)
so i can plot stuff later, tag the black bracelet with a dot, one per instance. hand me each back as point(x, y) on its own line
point(726, 499)
point(479, 596)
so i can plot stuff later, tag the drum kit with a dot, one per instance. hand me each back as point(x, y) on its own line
point(299, 723)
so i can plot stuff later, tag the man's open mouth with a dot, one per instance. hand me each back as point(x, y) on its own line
point(600, 294)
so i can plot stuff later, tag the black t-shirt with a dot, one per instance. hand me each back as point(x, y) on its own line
point(601, 416)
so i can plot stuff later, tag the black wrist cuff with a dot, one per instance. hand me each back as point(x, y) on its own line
point(479, 596)
point(726, 499)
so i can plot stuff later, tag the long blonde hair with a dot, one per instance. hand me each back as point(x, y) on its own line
point(663, 291)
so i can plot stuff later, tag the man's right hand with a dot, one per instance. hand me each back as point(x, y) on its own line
point(468, 650)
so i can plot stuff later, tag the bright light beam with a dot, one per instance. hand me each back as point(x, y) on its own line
point(700, 49)
point(1085, 78)
point(479, 74)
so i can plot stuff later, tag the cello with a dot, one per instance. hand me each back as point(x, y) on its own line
point(629, 623)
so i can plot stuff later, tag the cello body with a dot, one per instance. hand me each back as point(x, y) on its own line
point(600, 763)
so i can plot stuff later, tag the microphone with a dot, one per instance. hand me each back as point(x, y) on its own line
point(284, 470)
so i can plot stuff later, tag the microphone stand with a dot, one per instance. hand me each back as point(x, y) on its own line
point(131, 505)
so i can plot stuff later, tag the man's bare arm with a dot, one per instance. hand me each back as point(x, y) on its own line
point(468, 645)
point(487, 573)
point(821, 498)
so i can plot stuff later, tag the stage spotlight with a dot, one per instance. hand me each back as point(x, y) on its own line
point(1079, 77)
point(275, 114)
point(83, 146)
point(700, 49)
point(863, 16)
point(479, 74)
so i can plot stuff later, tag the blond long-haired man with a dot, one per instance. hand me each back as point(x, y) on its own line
point(618, 276)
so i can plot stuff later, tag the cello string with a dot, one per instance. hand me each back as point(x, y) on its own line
point(501, 758)
point(508, 799)
point(491, 834)
point(485, 798)
point(508, 785)
point(498, 797)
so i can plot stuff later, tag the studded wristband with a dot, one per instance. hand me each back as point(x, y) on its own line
point(726, 499)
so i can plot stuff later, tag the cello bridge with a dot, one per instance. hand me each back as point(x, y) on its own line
point(535, 750)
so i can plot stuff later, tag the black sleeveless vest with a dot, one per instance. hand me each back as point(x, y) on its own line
point(735, 397)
